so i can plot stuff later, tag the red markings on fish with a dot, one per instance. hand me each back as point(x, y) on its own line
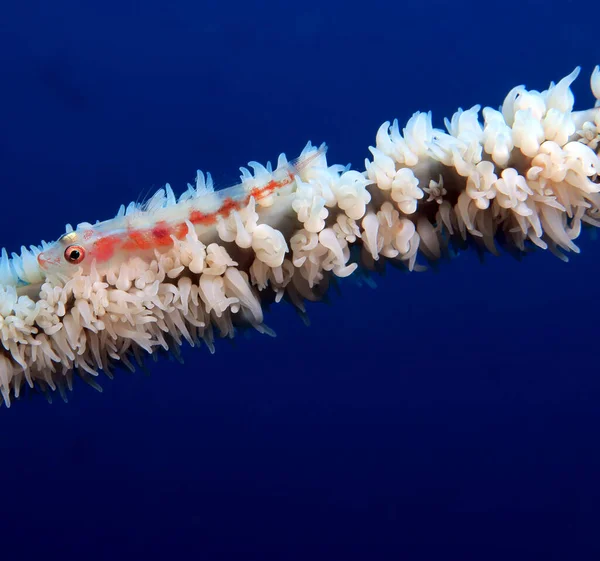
point(180, 230)
point(228, 206)
point(197, 217)
point(260, 192)
point(139, 239)
point(104, 247)
point(162, 234)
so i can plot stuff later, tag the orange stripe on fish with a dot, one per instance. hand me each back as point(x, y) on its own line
point(104, 247)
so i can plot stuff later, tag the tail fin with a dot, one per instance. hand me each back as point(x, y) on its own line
point(305, 160)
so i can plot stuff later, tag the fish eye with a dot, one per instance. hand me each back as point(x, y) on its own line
point(74, 254)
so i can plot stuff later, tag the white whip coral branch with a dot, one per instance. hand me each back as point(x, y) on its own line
point(522, 175)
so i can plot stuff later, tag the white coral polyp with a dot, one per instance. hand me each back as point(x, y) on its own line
point(528, 132)
point(418, 134)
point(559, 96)
point(558, 126)
point(512, 191)
point(531, 101)
point(550, 163)
point(466, 129)
point(404, 233)
point(347, 228)
point(381, 170)
point(217, 260)
point(239, 225)
point(390, 142)
point(269, 245)
point(352, 195)
point(589, 134)
point(336, 259)
point(481, 185)
point(309, 205)
point(406, 191)
point(581, 159)
point(497, 136)
point(595, 83)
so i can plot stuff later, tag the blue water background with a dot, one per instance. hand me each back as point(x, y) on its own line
point(444, 415)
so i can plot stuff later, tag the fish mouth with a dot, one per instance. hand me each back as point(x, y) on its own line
point(42, 261)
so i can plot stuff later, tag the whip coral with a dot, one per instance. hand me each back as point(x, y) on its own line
point(175, 270)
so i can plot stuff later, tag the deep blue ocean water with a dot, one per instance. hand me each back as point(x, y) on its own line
point(449, 415)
